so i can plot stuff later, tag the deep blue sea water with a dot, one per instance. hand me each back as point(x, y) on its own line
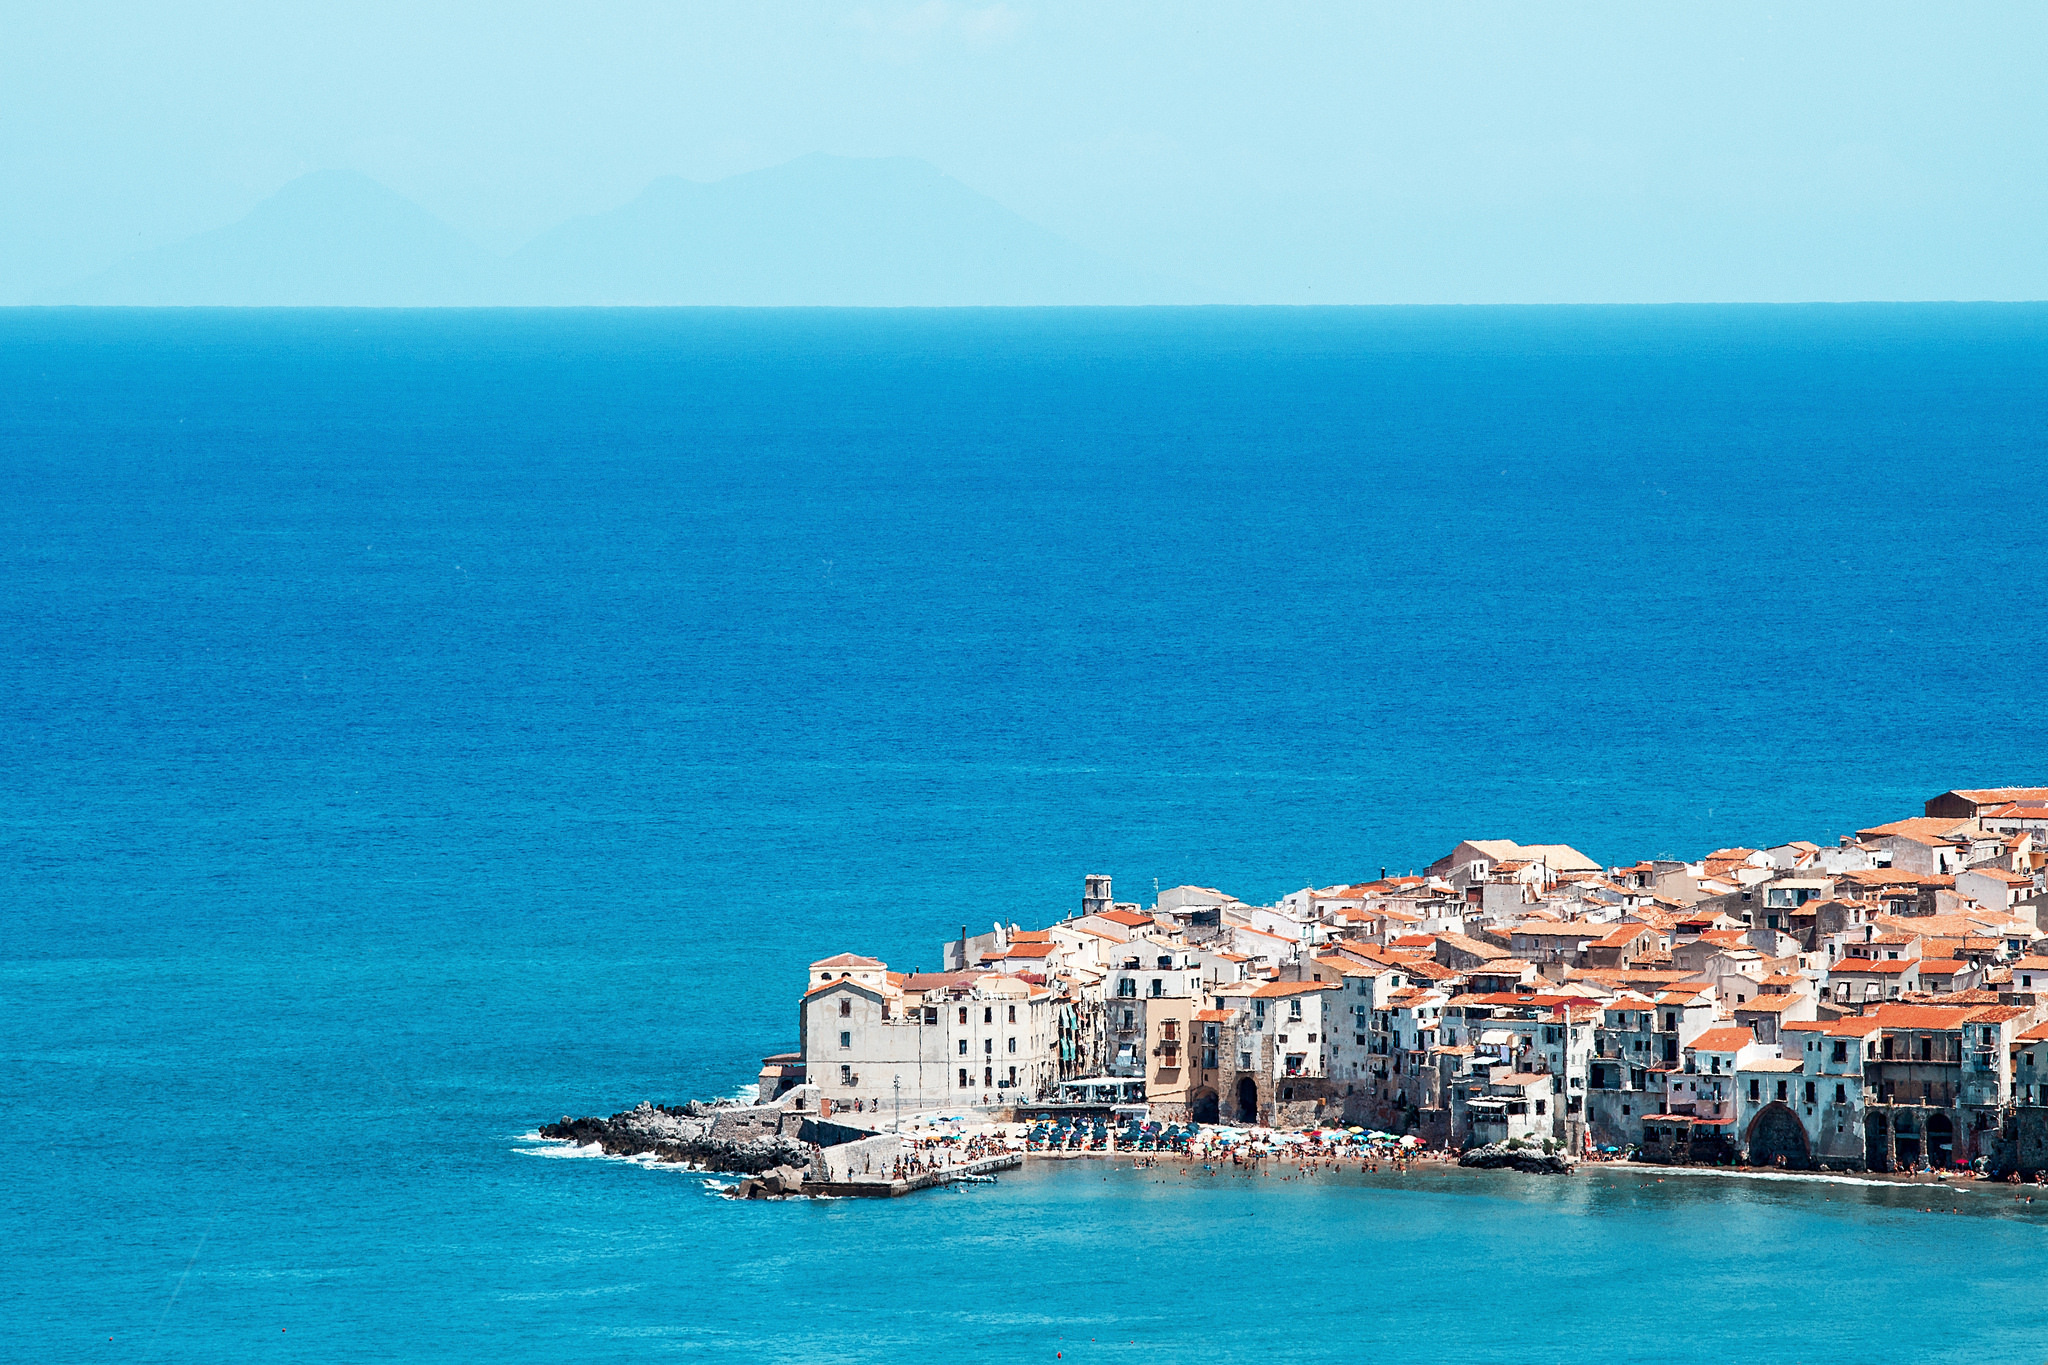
point(414, 727)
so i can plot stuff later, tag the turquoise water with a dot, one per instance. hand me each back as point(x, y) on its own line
point(416, 727)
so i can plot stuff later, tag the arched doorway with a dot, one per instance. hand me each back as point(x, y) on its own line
point(1247, 1100)
point(1906, 1140)
point(1204, 1108)
point(1776, 1132)
point(1941, 1140)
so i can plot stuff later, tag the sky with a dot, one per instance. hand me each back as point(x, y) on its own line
point(1346, 153)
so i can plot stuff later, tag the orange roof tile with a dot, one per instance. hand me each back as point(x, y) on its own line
point(1722, 1040)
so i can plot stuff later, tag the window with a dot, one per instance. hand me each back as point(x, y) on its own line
point(1013, 1014)
point(1244, 1061)
point(1781, 1089)
point(1809, 1092)
point(963, 1073)
point(1013, 1045)
point(988, 1046)
point(963, 1014)
point(1752, 1089)
point(1841, 1094)
point(1209, 1058)
point(1158, 987)
point(963, 1047)
point(1013, 1075)
point(988, 1014)
point(846, 1075)
point(1539, 1106)
point(1294, 1009)
point(845, 1006)
point(1126, 987)
point(1841, 1052)
point(845, 1038)
point(931, 1014)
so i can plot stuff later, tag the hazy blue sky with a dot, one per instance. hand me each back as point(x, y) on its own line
point(1350, 152)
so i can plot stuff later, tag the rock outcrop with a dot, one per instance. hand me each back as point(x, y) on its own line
point(783, 1180)
point(682, 1134)
point(1517, 1157)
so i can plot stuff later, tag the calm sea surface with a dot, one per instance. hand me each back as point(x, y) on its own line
point(416, 727)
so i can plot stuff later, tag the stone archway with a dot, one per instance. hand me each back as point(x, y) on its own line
point(1906, 1139)
point(1940, 1141)
point(1247, 1100)
point(1776, 1132)
point(1204, 1107)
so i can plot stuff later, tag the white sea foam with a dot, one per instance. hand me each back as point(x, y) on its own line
point(1801, 1178)
point(562, 1147)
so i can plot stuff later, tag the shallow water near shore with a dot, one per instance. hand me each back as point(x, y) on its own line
point(415, 727)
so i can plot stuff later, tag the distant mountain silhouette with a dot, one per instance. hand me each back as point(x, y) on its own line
point(332, 237)
point(821, 230)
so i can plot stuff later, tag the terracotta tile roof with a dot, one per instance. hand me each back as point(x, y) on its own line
point(1030, 950)
point(1278, 988)
point(1768, 1004)
point(1920, 1016)
point(1874, 966)
point(1851, 1026)
point(1921, 827)
point(848, 960)
point(1129, 918)
point(1722, 1040)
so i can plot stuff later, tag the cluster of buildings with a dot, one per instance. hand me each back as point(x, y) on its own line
point(1880, 1003)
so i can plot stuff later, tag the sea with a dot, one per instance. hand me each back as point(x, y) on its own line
point(419, 726)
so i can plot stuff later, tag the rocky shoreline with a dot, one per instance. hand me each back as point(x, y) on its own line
point(685, 1135)
point(1517, 1156)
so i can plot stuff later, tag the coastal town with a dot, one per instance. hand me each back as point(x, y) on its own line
point(1875, 1004)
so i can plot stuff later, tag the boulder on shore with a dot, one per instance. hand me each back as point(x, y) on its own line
point(783, 1180)
point(1496, 1156)
point(680, 1135)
